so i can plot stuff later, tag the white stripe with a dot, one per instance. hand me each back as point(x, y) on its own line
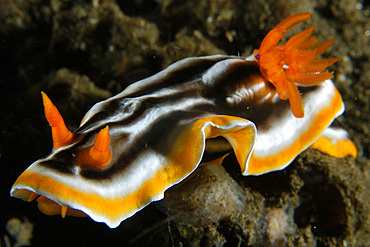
point(287, 129)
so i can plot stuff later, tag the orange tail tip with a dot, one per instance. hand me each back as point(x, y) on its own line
point(294, 62)
point(60, 133)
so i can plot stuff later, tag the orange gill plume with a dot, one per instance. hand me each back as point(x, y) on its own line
point(294, 62)
point(60, 133)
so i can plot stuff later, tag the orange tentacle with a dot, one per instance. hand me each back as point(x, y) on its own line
point(312, 79)
point(297, 40)
point(99, 155)
point(323, 47)
point(60, 133)
point(320, 64)
point(100, 152)
point(295, 100)
point(274, 36)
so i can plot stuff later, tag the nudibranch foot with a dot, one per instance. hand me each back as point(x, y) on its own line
point(294, 62)
point(47, 206)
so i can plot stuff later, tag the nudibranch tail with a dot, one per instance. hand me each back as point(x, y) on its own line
point(294, 62)
point(335, 142)
point(61, 135)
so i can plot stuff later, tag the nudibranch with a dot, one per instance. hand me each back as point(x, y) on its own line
point(132, 147)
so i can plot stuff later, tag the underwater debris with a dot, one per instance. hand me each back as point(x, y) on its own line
point(21, 231)
point(278, 226)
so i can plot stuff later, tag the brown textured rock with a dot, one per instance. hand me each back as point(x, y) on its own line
point(113, 43)
point(211, 195)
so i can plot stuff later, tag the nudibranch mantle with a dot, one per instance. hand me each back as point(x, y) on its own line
point(132, 147)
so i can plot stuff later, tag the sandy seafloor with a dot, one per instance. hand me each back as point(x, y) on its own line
point(81, 52)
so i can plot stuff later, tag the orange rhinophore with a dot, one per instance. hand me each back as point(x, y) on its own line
point(100, 152)
point(61, 135)
point(294, 62)
point(99, 155)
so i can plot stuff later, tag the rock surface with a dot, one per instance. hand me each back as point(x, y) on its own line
point(81, 52)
